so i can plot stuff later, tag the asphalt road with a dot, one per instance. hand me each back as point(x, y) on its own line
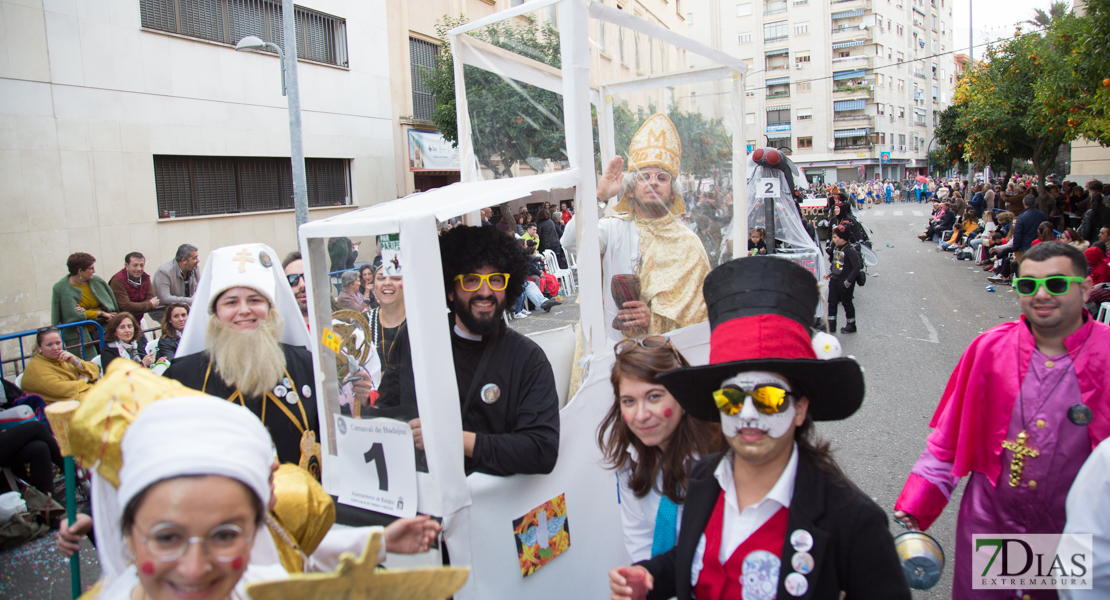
point(918, 312)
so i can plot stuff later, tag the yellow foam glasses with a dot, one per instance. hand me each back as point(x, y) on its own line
point(471, 282)
point(768, 399)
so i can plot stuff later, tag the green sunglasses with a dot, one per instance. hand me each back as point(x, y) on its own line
point(1057, 285)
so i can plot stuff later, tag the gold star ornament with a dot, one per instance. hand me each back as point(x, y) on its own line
point(360, 579)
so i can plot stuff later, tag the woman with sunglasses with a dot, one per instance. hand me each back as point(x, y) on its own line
point(652, 444)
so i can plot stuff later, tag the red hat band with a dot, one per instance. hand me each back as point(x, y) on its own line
point(759, 337)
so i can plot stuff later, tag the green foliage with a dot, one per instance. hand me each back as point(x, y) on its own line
point(511, 122)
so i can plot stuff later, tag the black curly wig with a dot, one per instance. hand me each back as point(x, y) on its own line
point(467, 249)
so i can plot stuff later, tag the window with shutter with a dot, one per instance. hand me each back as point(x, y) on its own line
point(215, 185)
point(320, 37)
point(422, 56)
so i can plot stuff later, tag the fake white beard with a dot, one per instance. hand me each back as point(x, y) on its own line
point(251, 361)
point(775, 425)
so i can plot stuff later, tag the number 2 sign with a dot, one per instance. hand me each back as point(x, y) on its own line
point(377, 465)
point(768, 187)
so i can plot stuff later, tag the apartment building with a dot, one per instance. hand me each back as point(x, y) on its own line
point(619, 55)
point(852, 88)
point(134, 125)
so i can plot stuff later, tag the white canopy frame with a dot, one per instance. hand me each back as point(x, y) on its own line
point(478, 509)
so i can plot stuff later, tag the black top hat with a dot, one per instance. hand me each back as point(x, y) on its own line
point(760, 308)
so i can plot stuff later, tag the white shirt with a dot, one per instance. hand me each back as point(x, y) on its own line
point(1091, 489)
point(738, 524)
point(638, 514)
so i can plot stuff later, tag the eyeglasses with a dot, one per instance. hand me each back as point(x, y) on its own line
point(768, 399)
point(472, 282)
point(294, 278)
point(1057, 285)
point(662, 177)
point(167, 542)
point(651, 342)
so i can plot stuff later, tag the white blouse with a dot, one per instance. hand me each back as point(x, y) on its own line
point(638, 514)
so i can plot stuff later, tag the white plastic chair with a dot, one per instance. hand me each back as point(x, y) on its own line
point(1104, 312)
point(565, 276)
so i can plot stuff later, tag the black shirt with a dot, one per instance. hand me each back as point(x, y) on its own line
point(190, 371)
point(517, 434)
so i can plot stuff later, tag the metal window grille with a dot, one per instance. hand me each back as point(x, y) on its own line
point(422, 56)
point(320, 37)
point(216, 185)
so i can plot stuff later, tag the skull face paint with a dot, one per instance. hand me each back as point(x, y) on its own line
point(775, 425)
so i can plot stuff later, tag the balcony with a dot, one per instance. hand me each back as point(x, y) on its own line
point(852, 62)
point(854, 91)
point(851, 147)
point(773, 95)
point(849, 4)
point(776, 39)
point(919, 73)
point(855, 120)
point(782, 67)
point(774, 11)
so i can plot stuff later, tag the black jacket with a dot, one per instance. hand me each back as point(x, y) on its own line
point(549, 235)
point(519, 432)
point(849, 270)
point(853, 550)
point(1025, 228)
point(947, 220)
point(167, 347)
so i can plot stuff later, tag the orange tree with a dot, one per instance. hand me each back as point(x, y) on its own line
point(1077, 94)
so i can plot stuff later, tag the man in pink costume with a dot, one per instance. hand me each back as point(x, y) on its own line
point(1042, 379)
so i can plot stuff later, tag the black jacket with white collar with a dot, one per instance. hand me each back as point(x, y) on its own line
point(853, 551)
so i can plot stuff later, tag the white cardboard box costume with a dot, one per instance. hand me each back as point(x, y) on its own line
point(478, 510)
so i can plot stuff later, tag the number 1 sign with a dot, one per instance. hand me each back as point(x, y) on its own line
point(377, 465)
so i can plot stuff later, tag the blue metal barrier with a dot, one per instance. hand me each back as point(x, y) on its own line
point(24, 356)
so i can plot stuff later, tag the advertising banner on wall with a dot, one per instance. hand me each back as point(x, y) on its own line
point(428, 151)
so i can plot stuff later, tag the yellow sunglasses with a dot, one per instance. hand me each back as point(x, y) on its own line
point(768, 399)
point(472, 282)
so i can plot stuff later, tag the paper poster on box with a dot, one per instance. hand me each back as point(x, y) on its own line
point(377, 465)
point(542, 534)
point(391, 254)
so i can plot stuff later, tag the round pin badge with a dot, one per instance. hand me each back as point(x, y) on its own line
point(801, 540)
point(306, 391)
point(796, 584)
point(291, 397)
point(802, 562)
point(285, 381)
point(280, 391)
point(264, 260)
point(491, 393)
point(1080, 414)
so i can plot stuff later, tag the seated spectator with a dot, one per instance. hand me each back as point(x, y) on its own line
point(54, 373)
point(133, 288)
point(943, 221)
point(1096, 259)
point(960, 234)
point(1045, 233)
point(757, 241)
point(176, 281)
point(173, 323)
point(366, 274)
point(530, 233)
point(1072, 238)
point(123, 338)
point(81, 296)
point(652, 443)
point(31, 452)
point(349, 297)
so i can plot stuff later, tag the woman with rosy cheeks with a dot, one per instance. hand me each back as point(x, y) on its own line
point(652, 444)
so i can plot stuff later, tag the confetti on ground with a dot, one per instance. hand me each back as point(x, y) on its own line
point(37, 570)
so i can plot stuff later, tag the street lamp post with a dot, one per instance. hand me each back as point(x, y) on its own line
point(291, 89)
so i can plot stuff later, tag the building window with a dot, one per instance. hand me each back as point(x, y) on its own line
point(320, 37)
point(942, 30)
point(422, 56)
point(902, 114)
point(805, 86)
point(220, 185)
point(745, 37)
point(620, 45)
point(801, 59)
point(749, 119)
point(778, 117)
point(801, 28)
point(901, 30)
point(901, 58)
point(779, 143)
point(744, 10)
point(804, 114)
point(601, 36)
point(776, 32)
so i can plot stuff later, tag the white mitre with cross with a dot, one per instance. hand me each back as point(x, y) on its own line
point(254, 266)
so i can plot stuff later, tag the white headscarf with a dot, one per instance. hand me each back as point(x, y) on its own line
point(193, 435)
point(223, 267)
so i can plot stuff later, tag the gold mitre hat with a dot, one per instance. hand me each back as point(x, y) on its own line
point(98, 424)
point(656, 144)
point(360, 579)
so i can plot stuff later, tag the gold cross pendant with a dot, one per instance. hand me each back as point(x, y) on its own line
point(1021, 452)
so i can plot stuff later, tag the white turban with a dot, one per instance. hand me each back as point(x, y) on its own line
point(194, 435)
